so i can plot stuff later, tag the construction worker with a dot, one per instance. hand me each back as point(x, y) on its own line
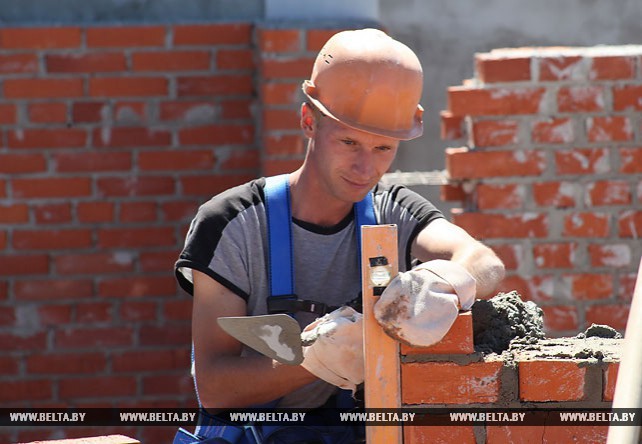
point(361, 100)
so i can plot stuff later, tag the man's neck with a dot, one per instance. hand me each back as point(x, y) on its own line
point(311, 204)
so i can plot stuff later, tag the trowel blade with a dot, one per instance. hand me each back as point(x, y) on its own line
point(276, 336)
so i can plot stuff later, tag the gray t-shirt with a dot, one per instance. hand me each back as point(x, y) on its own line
point(227, 240)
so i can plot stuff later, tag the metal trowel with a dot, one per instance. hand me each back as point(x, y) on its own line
point(277, 336)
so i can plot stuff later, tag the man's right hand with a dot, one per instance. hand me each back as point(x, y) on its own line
point(333, 348)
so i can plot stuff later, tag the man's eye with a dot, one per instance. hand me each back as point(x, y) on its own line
point(383, 148)
point(348, 141)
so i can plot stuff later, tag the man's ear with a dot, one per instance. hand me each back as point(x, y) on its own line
point(308, 120)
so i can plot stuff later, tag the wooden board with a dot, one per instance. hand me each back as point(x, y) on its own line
point(382, 375)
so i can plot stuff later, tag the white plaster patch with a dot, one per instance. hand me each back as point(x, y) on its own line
point(616, 255)
point(270, 335)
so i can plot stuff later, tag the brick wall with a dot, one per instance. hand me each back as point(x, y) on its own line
point(111, 138)
point(549, 175)
point(545, 374)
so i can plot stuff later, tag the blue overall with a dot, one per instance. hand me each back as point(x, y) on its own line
point(211, 429)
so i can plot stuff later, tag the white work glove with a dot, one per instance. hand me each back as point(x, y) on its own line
point(333, 348)
point(419, 306)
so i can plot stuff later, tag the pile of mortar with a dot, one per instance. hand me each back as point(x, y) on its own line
point(505, 321)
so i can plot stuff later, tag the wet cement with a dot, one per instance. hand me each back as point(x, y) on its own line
point(504, 318)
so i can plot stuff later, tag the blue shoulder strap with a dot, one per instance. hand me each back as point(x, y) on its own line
point(279, 217)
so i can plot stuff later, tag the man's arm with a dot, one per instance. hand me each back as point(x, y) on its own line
point(441, 239)
point(224, 379)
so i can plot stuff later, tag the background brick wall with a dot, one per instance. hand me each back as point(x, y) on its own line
point(549, 175)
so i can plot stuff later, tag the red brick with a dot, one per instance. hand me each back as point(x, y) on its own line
point(97, 387)
point(176, 160)
point(92, 212)
point(439, 434)
point(487, 133)
point(138, 311)
point(316, 38)
point(159, 260)
point(22, 342)
point(279, 40)
point(586, 225)
point(18, 63)
point(187, 110)
point(213, 34)
point(130, 137)
point(587, 434)
point(136, 237)
point(463, 101)
point(167, 384)
point(538, 288)
point(453, 193)
point(283, 144)
point(47, 138)
point(610, 255)
point(560, 68)
point(630, 224)
point(33, 390)
point(280, 93)
point(280, 119)
point(237, 109)
point(9, 366)
point(608, 192)
point(7, 318)
point(52, 187)
point(55, 112)
point(219, 134)
point(626, 286)
point(580, 99)
point(51, 239)
point(150, 360)
point(17, 264)
point(464, 164)
point(42, 88)
point(93, 338)
point(458, 340)
point(53, 213)
point(611, 128)
point(560, 318)
point(53, 289)
point(272, 167)
point(554, 194)
point(509, 69)
point(553, 131)
point(136, 212)
point(125, 36)
point(68, 363)
point(507, 196)
point(451, 126)
point(554, 255)
point(83, 112)
point(630, 160)
point(510, 255)
point(128, 86)
point(582, 161)
point(613, 314)
point(503, 226)
point(169, 334)
point(3, 245)
point(40, 38)
point(235, 59)
point(286, 68)
point(178, 310)
point(218, 86)
point(171, 61)
point(86, 62)
point(450, 383)
point(551, 380)
point(54, 315)
point(136, 186)
point(242, 160)
point(627, 97)
point(137, 287)
point(590, 286)
point(22, 163)
point(609, 380)
point(92, 162)
point(93, 263)
point(94, 312)
point(178, 211)
point(612, 68)
point(14, 214)
point(210, 185)
point(7, 113)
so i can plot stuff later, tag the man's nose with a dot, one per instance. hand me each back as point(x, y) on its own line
point(364, 164)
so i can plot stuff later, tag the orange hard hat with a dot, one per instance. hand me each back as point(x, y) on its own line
point(367, 80)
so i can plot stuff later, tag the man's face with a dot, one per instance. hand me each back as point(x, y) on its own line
point(349, 162)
